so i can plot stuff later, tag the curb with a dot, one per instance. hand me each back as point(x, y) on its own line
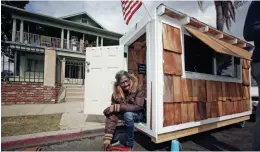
point(43, 138)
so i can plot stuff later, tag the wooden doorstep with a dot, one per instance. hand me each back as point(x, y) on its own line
point(195, 130)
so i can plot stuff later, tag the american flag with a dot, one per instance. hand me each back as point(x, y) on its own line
point(129, 7)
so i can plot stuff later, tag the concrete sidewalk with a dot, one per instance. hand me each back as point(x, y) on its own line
point(72, 114)
point(41, 109)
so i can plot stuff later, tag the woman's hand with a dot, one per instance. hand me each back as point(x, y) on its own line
point(112, 108)
point(115, 108)
point(105, 146)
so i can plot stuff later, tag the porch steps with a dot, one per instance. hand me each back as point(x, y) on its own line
point(75, 90)
point(75, 86)
point(74, 99)
point(74, 93)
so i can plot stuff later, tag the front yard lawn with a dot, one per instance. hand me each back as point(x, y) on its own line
point(21, 125)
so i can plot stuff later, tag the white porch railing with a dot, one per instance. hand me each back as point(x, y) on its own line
point(47, 41)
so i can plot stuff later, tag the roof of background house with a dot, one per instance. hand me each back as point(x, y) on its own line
point(82, 13)
point(22, 12)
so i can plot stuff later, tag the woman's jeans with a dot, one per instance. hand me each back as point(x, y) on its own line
point(255, 71)
point(129, 119)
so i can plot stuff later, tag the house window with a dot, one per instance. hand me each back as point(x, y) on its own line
point(200, 58)
point(35, 65)
point(227, 66)
point(85, 21)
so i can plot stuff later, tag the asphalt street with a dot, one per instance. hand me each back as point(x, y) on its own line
point(230, 138)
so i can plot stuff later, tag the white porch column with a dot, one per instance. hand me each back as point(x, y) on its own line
point(84, 44)
point(49, 67)
point(14, 30)
point(101, 41)
point(21, 31)
point(97, 41)
point(68, 39)
point(62, 38)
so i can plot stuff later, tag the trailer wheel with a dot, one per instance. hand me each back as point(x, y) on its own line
point(242, 124)
point(175, 146)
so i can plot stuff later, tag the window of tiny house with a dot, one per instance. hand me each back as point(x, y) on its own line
point(202, 62)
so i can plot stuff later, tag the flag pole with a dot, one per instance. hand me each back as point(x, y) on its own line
point(146, 10)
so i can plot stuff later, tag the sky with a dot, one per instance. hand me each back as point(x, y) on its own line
point(109, 13)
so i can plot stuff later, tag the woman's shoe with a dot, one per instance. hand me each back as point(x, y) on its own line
point(115, 142)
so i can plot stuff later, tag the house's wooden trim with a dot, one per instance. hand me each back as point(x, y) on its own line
point(164, 10)
point(195, 130)
point(204, 29)
point(241, 44)
point(219, 36)
point(233, 41)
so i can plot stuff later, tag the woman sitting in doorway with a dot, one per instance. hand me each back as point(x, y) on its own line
point(127, 104)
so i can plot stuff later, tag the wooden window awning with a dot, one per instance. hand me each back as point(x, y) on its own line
point(218, 45)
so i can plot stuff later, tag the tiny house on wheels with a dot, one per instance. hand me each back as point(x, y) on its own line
point(197, 78)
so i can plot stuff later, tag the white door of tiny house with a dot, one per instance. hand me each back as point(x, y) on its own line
point(100, 76)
